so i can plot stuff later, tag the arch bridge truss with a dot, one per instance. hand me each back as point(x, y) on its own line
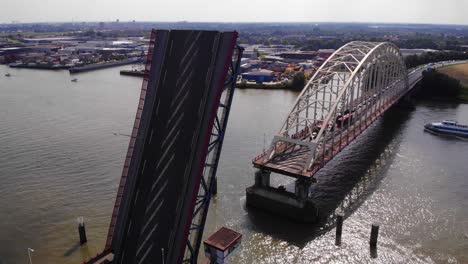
point(353, 87)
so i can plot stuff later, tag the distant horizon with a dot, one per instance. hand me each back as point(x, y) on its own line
point(230, 22)
point(449, 12)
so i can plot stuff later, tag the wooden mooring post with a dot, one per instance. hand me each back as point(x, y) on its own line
point(339, 228)
point(82, 230)
point(374, 235)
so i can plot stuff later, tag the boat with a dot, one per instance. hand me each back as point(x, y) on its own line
point(133, 72)
point(102, 65)
point(8, 75)
point(74, 80)
point(448, 127)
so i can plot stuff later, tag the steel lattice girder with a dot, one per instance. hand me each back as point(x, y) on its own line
point(357, 80)
point(208, 180)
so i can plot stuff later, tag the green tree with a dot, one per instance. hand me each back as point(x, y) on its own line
point(429, 57)
point(436, 84)
point(298, 81)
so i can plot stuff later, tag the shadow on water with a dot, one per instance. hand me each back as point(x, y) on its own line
point(82, 249)
point(438, 105)
point(72, 250)
point(343, 184)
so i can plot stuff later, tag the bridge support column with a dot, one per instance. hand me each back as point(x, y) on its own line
point(294, 205)
point(262, 178)
point(302, 187)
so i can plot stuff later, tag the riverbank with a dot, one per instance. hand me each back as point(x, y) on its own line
point(136, 73)
point(263, 86)
point(459, 72)
point(103, 65)
point(37, 66)
point(77, 69)
point(297, 83)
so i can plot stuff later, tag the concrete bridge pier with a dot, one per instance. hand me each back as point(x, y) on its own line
point(302, 187)
point(262, 178)
point(295, 205)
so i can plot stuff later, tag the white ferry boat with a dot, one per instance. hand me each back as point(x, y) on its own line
point(448, 127)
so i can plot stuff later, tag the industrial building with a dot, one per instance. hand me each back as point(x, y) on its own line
point(259, 76)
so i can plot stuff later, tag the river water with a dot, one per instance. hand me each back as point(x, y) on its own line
point(63, 146)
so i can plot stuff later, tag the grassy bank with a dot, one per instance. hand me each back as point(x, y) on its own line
point(252, 85)
point(459, 72)
point(296, 84)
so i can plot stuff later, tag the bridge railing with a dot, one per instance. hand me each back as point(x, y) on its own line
point(133, 137)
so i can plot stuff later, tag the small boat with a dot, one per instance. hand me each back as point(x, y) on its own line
point(74, 80)
point(448, 127)
point(8, 74)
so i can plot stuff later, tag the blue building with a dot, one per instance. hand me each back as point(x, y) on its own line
point(259, 76)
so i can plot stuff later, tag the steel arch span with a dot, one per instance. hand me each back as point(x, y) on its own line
point(353, 87)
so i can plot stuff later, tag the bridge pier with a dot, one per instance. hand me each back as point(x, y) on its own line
point(297, 206)
point(302, 187)
point(262, 178)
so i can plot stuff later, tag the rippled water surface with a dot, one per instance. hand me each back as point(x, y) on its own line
point(63, 146)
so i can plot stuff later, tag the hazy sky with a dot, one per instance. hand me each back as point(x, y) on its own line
point(411, 11)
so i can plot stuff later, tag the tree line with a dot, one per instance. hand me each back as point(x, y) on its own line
point(412, 61)
point(438, 85)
